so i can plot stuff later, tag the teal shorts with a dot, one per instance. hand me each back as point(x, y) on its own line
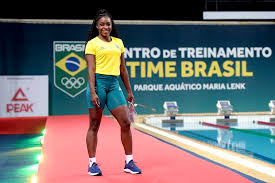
point(108, 92)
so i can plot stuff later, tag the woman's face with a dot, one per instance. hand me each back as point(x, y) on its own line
point(104, 26)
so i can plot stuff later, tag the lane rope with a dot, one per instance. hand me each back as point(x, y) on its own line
point(239, 130)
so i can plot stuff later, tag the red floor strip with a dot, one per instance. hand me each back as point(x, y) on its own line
point(66, 159)
point(22, 125)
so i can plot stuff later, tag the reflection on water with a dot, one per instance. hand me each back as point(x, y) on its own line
point(224, 136)
point(172, 126)
point(224, 140)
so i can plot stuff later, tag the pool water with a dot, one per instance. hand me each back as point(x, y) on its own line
point(255, 146)
point(254, 140)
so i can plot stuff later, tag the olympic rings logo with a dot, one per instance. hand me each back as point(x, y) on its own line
point(72, 82)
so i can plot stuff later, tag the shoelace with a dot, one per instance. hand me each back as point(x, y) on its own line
point(95, 166)
point(132, 164)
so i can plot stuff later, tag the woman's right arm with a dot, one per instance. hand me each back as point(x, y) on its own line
point(91, 78)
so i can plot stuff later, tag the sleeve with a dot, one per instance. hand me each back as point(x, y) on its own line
point(90, 48)
point(122, 47)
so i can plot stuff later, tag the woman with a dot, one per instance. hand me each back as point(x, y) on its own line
point(105, 59)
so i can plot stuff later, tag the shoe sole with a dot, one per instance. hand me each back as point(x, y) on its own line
point(95, 174)
point(130, 171)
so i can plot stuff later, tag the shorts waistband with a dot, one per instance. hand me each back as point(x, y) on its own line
point(106, 78)
point(102, 76)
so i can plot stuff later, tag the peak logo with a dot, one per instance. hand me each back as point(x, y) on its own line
point(19, 96)
point(19, 103)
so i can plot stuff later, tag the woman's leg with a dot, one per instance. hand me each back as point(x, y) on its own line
point(121, 115)
point(91, 138)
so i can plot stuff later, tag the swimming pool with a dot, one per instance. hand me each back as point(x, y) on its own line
point(245, 135)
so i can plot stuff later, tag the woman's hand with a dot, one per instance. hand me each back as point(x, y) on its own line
point(130, 98)
point(95, 100)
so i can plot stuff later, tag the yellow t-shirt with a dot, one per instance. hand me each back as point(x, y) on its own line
point(107, 55)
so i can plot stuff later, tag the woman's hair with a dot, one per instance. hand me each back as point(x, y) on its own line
point(93, 32)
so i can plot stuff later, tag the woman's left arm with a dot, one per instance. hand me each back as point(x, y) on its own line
point(125, 79)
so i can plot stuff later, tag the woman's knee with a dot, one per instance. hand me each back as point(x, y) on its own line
point(125, 125)
point(94, 125)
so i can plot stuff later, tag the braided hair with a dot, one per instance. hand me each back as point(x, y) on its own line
point(93, 32)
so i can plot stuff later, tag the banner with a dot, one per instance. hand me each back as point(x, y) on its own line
point(193, 64)
point(198, 65)
point(24, 96)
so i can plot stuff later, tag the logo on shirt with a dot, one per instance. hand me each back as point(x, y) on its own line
point(101, 48)
point(117, 46)
point(70, 68)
